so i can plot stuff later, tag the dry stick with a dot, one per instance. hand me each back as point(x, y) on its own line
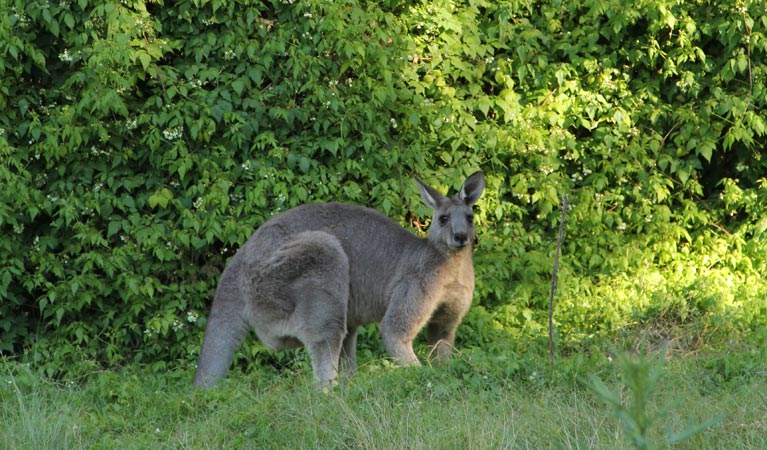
point(554, 278)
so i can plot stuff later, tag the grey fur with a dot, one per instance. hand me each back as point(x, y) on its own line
point(314, 274)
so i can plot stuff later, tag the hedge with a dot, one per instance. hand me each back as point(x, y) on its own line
point(143, 141)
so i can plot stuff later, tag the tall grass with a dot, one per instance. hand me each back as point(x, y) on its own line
point(467, 404)
point(38, 416)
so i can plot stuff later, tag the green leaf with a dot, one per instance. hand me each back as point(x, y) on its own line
point(238, 86)
point(54, 27)
point(760, 226)
point(60, 314)
point(145, 60)
point(484, 104)
point(69, 20)
point(160, 198)
point(706, 150)
point(198, 243)
point(742, 62)
point(114, 227)
point(304, 164)
point(330, 145)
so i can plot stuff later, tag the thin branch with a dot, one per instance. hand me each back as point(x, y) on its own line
point(748, 54)
point(554, 276)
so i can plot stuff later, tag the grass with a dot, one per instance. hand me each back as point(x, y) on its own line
point(474, 402)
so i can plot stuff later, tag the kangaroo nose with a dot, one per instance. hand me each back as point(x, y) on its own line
point(460, 238)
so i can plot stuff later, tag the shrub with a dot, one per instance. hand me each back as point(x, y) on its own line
point(142, 143)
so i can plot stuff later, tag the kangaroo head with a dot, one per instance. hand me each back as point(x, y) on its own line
point(452, 225)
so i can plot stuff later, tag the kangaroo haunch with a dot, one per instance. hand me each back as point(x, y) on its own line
point(314, 274)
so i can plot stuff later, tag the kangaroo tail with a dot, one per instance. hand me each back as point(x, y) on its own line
point(225, 331)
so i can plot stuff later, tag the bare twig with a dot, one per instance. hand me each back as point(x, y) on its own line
point(554, 277)
point(748, 54)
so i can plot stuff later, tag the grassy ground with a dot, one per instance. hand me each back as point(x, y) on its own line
point(475, 402)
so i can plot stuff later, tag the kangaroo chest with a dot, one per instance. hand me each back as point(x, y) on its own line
point(454, 280)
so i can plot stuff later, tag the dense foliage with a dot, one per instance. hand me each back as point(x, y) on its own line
point(141, 142)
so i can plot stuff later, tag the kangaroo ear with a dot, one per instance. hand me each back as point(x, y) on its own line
point(430, 196)
point(472, 188)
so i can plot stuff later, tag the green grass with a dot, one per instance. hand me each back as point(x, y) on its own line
point(477, 401)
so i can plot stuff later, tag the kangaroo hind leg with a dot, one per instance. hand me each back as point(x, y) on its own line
point(318, 282)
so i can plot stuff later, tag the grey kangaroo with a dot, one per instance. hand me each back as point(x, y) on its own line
point(314, 274)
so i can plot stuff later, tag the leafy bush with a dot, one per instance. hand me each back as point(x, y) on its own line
point(141, 143)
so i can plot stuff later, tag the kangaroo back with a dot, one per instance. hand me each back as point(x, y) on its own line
point(313, 274)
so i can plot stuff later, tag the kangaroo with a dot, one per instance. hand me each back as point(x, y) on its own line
point(314, 274)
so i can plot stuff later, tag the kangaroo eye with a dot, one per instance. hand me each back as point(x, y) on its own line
point(470, 218)
point(443, 219)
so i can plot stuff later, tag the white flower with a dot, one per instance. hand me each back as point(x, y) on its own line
point(172, 134)
point(66, 57)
